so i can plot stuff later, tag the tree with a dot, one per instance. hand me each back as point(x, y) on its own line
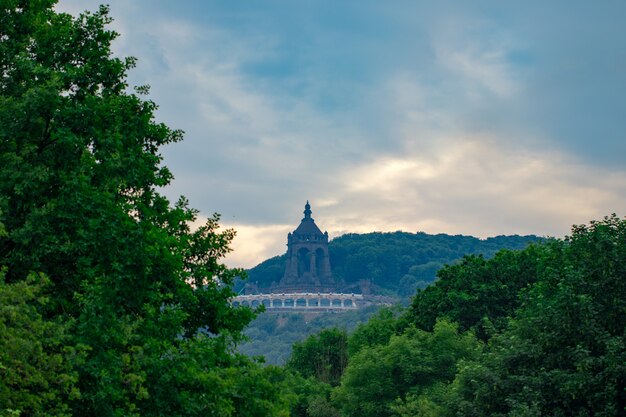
point(377, 331)
point(323, 356)
point(36, 369)
point(309, 396)
point(477, 293)
point(79, 160)
point(410, 364)
point(564, 353)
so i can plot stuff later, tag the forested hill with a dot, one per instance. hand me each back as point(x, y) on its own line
point(392, 263)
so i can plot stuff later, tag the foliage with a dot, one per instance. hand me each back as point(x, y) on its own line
point(272, 335)
point(311, 396)
point(564, 353)
point(477, 293)
point(395, 263)
point(553, 318)
point(143, 296)
point(321, 407)
point(323, 356)
point(411, 363)
point(36, 369)
point(559, 348)
point(377, 331)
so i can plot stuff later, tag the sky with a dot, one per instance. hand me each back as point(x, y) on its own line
point(479, 118)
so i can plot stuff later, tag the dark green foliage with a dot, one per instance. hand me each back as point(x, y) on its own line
point(564, 353)
point(477, 292)
point(323, 356)
point(36, 369)
point(551, 319)
point(377, 331)
point(131, 283)
point(321, 407)
point(311, 396)
point(554, 316)
point(411, 363)
point(395, 263)
point(552, 323)
point(266, 273)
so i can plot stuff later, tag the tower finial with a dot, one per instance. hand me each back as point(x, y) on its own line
point(307, 210)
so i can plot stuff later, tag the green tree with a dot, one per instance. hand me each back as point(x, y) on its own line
point(477, 293)
point(323, 356)
point(410, 364)
point(564, 353)
point(144, 294)
point(321, 407)
point(36, 369)
point(309, 396)
point(376, 331)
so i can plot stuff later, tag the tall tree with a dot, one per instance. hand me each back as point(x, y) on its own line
point(564, 353)
point(412, 363)
point(477, 293)
point(323, 356)
point(146, 296)
point(376, 331)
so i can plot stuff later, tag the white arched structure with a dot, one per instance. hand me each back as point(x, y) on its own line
point(301, 301)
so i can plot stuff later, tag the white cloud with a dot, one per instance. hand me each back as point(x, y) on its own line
point(476, 52)
point(426, 143)
point(253, 244)
point(471, 185)
point(486, 68)
point(479, 186)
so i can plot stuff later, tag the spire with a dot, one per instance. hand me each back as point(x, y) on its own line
point(307, 225)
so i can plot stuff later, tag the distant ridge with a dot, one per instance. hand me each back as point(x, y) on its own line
point(394, 264)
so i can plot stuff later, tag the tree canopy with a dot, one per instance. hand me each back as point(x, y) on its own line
point(526, 333)
point(140, 295)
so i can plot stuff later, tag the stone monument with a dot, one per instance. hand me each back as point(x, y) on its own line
point(308, 264)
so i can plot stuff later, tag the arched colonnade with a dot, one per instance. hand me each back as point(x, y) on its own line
point(301, 301)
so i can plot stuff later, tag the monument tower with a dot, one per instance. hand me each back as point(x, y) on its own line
point(308, 264)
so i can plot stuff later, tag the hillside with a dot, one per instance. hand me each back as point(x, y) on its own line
point(272, 335)
point(391, 263)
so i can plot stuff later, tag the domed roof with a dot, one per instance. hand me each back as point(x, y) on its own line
point(307, 225)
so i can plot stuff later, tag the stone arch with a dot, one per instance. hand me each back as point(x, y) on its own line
point(320, 257)
point(304, 263)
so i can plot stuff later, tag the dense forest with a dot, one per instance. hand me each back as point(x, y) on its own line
point(390, 263)
point(112, 305)
point(529, 333)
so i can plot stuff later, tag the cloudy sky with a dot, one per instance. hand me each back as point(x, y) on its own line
point(480, 118)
